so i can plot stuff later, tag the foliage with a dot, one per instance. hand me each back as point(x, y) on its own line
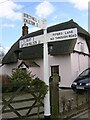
point(20, 77)
point(40, 89)
point(35, 86)
point(39, 86)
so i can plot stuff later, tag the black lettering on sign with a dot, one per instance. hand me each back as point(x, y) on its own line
point(67, 32)
point(52, 38)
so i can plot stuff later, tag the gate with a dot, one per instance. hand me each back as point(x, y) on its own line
point(19, 105)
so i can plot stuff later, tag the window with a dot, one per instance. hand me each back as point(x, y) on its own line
point(54, 69)
point(81, 47)
point(85, 73)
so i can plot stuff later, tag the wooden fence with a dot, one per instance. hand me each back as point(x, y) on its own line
point(22, 104)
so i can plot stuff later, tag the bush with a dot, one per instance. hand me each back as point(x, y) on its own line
point(39, 86)
point(21, 77)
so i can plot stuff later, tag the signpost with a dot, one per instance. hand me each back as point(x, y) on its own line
point(33, 21)
point(42, 24)
point(50, 37)
point(62, 35)
point(31, 41)
point(45, 38)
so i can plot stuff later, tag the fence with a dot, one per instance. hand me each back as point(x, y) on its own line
point(29, 104)
point(22, 104)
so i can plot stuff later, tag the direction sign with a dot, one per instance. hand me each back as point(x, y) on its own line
point(31, 41)
point(50, 37)
point(62, 35)
point(33, 21)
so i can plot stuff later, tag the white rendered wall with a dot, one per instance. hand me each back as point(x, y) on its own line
point(7, 68)
point(89, 61)
point(38, 71)
point(79, 62)
point(64, 63)
point(77, 46)
point(69, 65)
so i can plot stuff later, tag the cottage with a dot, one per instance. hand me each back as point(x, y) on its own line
point(67, 58)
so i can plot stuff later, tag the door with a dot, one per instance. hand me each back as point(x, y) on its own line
point(54, 70)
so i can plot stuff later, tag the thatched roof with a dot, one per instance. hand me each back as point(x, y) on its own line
point(34, 52)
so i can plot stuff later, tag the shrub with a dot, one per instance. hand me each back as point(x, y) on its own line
point(21, 77)
point(39, 86)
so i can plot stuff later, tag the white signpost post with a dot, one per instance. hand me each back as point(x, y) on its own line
point(42, 24)
point(50, 37)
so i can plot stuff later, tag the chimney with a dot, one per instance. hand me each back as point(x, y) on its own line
point(24, 30)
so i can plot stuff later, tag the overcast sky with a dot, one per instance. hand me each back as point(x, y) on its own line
point(55, 11)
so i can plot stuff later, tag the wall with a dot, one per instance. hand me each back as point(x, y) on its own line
point(89, 61)
point(7, 68)
point(37, 71)
point(64, 62)
point(69, 65)
point(78, 43)
point(79, 62)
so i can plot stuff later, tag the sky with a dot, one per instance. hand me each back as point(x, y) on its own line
point(54, 11)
